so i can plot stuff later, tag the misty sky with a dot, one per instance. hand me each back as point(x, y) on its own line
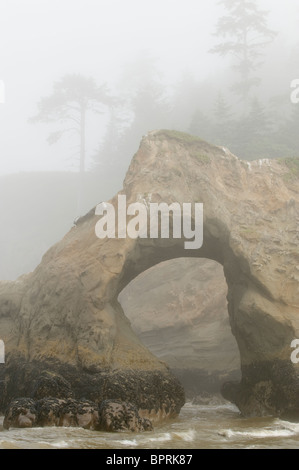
point(41, 40)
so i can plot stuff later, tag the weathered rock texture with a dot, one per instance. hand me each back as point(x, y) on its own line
point(117, 416)
point(20, 414)
point(65, 315)
point(109, 416)
point(179, 311)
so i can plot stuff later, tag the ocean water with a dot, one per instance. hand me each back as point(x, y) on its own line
point(212, 426)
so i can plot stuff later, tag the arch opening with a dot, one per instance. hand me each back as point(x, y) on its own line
point(178, 309)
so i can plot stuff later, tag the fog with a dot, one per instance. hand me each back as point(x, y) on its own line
point(163, 45)
point(42, 41)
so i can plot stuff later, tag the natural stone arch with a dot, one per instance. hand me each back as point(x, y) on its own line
point(65, 315)
point(263, 339)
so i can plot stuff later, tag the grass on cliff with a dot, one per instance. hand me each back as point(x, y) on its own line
point(201, 157)
point(180, 136)
point(292, 163)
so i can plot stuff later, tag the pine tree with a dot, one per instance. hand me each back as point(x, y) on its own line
point(146, 105)
point(72, 97)
point(201, 126)
point(253, 137)
point(223, 122)
point(245, 34)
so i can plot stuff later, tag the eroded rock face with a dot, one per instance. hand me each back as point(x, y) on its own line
point(20, 414)
point(117, 416)
point(109, 416)
point(65, 317)
point(157, 393)
point(51, 385)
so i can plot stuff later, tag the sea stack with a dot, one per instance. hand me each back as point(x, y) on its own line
point(64, 318)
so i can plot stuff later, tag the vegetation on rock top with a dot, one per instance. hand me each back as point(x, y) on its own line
point(180, 136)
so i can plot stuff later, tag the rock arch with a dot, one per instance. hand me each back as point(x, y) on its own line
point(65, 316)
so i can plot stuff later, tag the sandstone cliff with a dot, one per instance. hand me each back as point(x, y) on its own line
point(65, 316)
